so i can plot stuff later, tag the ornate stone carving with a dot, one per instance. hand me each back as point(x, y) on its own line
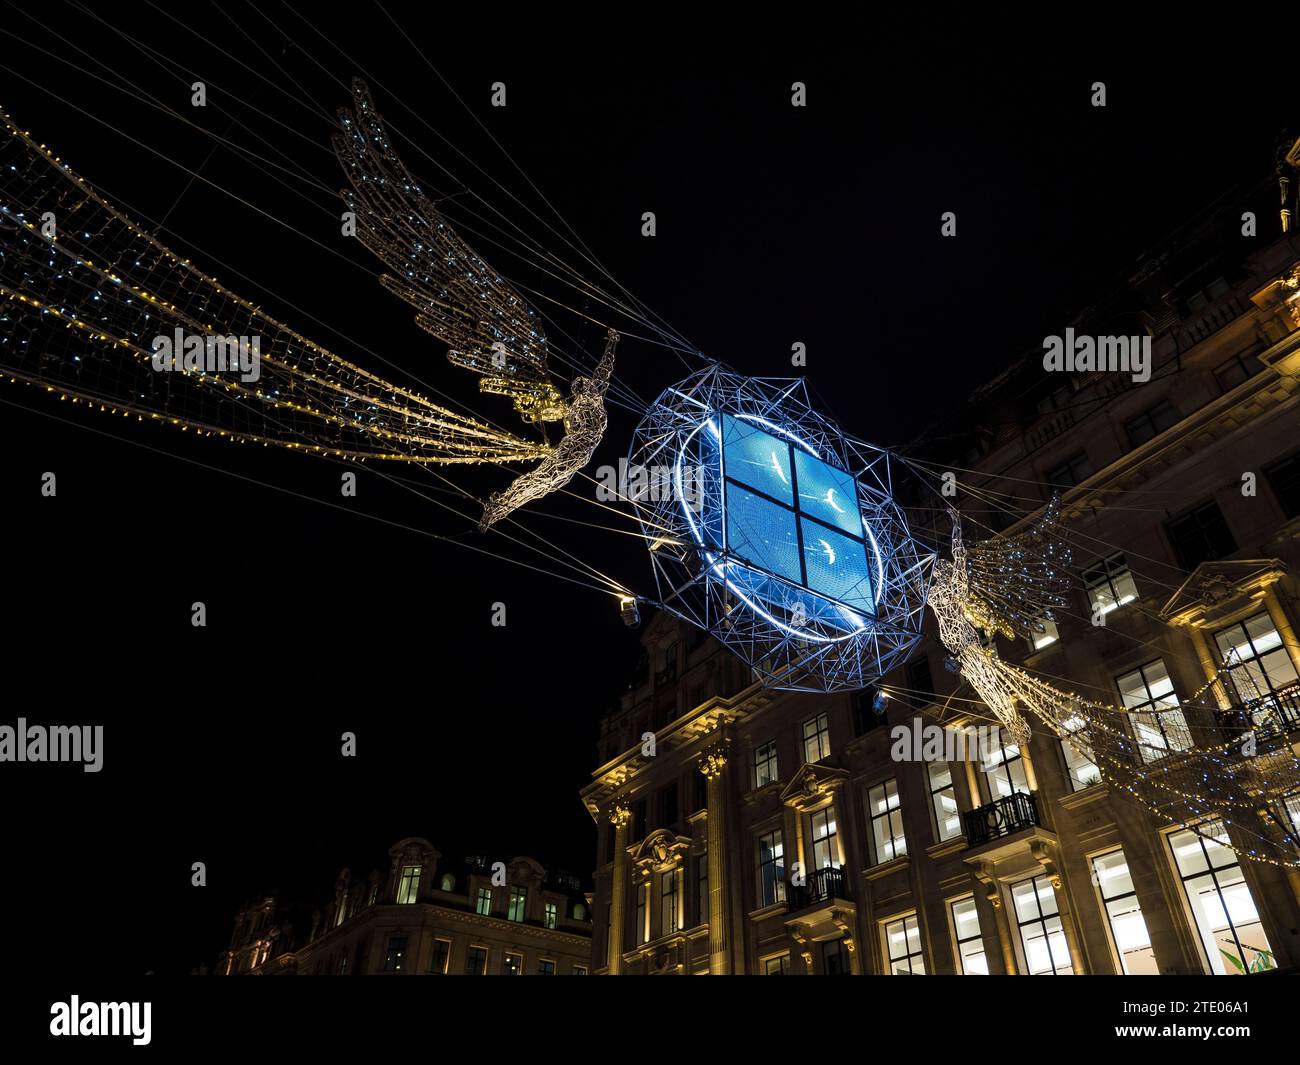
point(620, 813)
point(714, 759)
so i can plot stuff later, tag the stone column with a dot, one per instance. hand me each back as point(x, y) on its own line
point(713, 764)
point(992, 894)
point(620, 816)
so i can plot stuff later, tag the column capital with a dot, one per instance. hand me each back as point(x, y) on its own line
point(620, 813)
point(713, 759)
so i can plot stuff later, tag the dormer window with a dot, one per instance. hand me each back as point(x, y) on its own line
point(409, 885)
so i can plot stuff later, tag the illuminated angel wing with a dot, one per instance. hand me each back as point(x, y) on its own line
point(458, 297)
point(86, 295)
point(1013, 583)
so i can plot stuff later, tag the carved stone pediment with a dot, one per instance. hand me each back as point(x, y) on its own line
point(1217, 590)
point(660, 852)
point(812, 787)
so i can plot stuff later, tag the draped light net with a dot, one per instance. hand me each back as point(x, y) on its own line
point(1244, 787)
point(80, 311)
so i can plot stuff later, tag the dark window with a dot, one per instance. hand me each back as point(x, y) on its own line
point(868, 710)
point(920, 682)
point(476, 961)
point(359, 967)
point(1150, 424)
point(668, 805)
point(638, 819)
point(835, 959)
point(1075, 470)
point(441, 951)
point(1199, 535)
point(1237, 369)
point(396, 956)
point(545, 968)
point(610, 833)
point(701, 790)
point(1284, 478)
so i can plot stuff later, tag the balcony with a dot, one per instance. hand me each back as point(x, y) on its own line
point(1269, 716)
point(1003, 817)
point(823, 886)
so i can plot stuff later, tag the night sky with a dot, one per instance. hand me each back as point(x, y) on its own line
point(775, 225)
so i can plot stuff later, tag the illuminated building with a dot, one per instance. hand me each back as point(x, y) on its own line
point(1181, 497)
point(425, 916)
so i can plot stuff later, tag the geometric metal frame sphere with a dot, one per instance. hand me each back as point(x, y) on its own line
point(791, 634)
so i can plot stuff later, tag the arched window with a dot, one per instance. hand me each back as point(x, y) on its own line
point(579, 912)
point(448, 882)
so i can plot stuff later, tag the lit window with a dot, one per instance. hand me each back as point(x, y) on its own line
point(441, 954)
point(886, 821)
point(1048, 636)
point(518, 903)
point(1258, 664)
point(1004, 770)
point(483, 905)
point(512, 965)
point(409, 886)
point(778, 966)
point(448, 882)
point(668, 898)
point(579, 911)
point(1109, 584)
point(476, 961)
point(765, 764)
point(943, 800)
point(1041, 933)
point(396, 955)
point(970, 943)
point(816, 739)
point(550, 915)
point(1079, 766)
point(903, 943)
point(1158, 723)
point(771, 871)
point(1128, 929)
point(1225, 913)
point(826, 851)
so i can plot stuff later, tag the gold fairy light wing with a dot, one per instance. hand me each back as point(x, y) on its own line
point(1014, 582)
point(488, 327)
point(85, 294)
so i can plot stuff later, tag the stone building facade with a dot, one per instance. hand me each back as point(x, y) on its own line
point(425, 916)
point(747, 830)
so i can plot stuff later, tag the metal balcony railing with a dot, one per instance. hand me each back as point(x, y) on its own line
point(824, 885)
point(1002, 817)
point(1269, 715)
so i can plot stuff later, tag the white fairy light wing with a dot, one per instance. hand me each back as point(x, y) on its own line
point(488, 327)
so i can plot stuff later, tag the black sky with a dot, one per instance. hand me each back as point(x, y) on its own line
point(776, 225)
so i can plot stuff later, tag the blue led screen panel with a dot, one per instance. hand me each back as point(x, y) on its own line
point(827, 494)
point(837, 566)
point(763, 534)
point(758, 459)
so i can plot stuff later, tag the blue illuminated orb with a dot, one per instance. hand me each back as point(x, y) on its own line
point(771, 529)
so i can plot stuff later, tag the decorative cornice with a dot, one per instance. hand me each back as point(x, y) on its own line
point(813, 787)
point(1216, 589)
